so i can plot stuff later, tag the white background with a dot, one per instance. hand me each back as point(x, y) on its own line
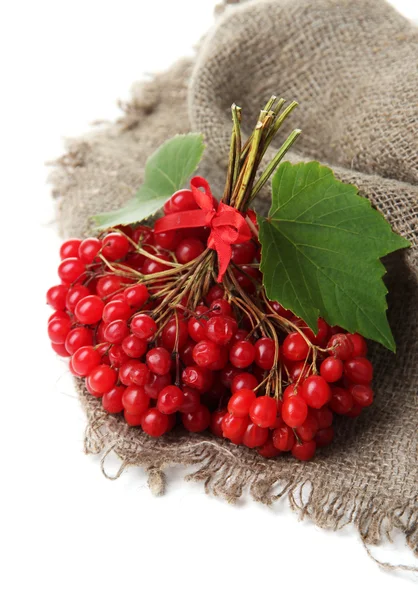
point(66, 531)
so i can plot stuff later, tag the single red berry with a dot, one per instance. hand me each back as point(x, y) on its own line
point(116, 310)
point(294, 410)
point(132, 420)
point(198, 420)
point(174, 334)
point(331, 369)
point(71, 269)
point(84, 360)
point(234, 427)
point(154, 423)
point(341, 400)
point(108, 285)
point(216, 421)
point(136, 295)
point(340, 346)
point(283, 438)
point(197, 378)
point(58, 330)
point(220, 329)
point(170, 399)
point(168, 240)
point(89, 249)
point(102, 378)
point(304, 450)
point(77, 338)
point(91, 391)
point(143, 235)
point(324, 417)
point(69, 248)
point(156, 383)
point(227, 375)
point(196, 328)
point(255, 436)
point(243, 381)
point(182, 200)
point(263, 411)
point(362, 394)
point(74, 295)
point(315, 391)
point(133, 346)
point(300, 370)
point(220, 307)
point(117, 357)
point(191, 400)
point(116, 331)
point(222, 361)
point(215, 293)
point(189, 249)
point(143, 326)
point(112, 400)
point(115, 246)
point(205, 353)
point(243, 253)
point(242, 354)
point(359, 344)
point(294, 347)
point(264, 353)
point(150, 266)
point(308, 429)
point(58, 314)
point(186, 354)
point(135, 400)
point(56, 296)
point(280, 310)
point(158, 361)
point(324, 437)
point(359, 370)
point(60, 349)
point(268, 450)
point(89, 310)
point(139, 374)
point(239, 404)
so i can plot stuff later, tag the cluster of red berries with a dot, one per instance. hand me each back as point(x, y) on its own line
point(206, 368)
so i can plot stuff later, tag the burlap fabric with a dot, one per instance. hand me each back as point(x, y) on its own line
point(353, 68)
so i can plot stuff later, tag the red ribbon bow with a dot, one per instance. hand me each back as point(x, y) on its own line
point(227, 224)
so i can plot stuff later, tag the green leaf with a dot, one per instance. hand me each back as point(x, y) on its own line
point(321, 245)
point(166, 171)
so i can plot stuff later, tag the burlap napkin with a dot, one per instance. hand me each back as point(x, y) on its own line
point(353, 68)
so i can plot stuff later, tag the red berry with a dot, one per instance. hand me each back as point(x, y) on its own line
point(60, 350)
point(304, 450)
point(220, 307)
point(234, 427)
point(151, 266)
point(280, 310)
point(359, 344)
point(174, 334)
point(116, 331)
point(196, 328)
point(242, 354)
point(263, 411)
point(216, 421)
point(89, 249)
point(139, 373)
point(264, 353)
point(198, 420)
point(56, 296)
point(215, 293)
point(158, 361)
point(143, 326)
point(154, 423)
point(170, 399)
point(71, 269)
point(255, 436)
point(115, 246)
point(156, 383)
point(295, 347)
point(268, 450)
point(362, 394)
point(186, 354)
point(108, 285)
point(58, 330)
point(77, 338)
point(243, 381)
point(117, 356)
point(315, 391)
point(331, 369)
point(359, 370)
point(239, 404)
point(205, 353)
point(220, 329)
point(341, 400)
point(340, 346)
point(324, 437)
point(84, 360)
point(182, 200)
point(112, 400)
point(227, 375)
point(189, 249)
point(116, 310)
point(308, 429)
point(69, 248)
point(89, 310)
point(168, 240)
point(91, 391)
point(299, 370)
point(102, 378)
point(132, 420)
point(324, 417)
point(283, 438)
point(133, 346)
point(354, 411)
point(74, 295)
point(135, 400)
point(294, 410)
point(191, 400)
point(198, 378)
point(136, 295)
point(58, 314)
point(243, 253)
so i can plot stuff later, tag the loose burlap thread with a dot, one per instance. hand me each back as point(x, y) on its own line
point(353, 69)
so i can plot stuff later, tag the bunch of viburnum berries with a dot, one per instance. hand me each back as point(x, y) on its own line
point(144, 323)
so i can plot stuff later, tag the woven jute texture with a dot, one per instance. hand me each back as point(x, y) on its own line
point(353, 68)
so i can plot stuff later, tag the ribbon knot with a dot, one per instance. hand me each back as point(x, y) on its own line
point(227, 224)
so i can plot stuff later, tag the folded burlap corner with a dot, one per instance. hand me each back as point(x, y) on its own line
point(352, 67)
